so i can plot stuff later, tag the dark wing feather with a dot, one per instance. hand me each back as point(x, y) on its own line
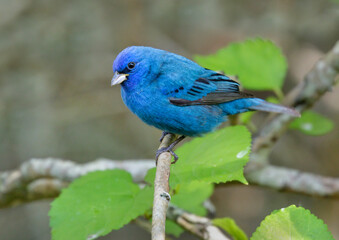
point(211, 99)
point(224, 90)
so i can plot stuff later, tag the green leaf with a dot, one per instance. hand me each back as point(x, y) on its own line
point(312, 123)
point(246, 117)
point(190, 197)
point(217, 157)
point(258, 63)
point(97, 203)
point(294, 223)
point(229, 226)
point(173, 228)
point(273, 100)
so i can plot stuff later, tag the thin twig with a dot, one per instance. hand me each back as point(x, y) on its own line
point(199, 226)
point(161, 190)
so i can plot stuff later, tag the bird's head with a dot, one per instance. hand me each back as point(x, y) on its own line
point(136, 65)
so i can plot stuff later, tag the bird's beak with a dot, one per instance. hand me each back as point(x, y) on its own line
point(118, 78)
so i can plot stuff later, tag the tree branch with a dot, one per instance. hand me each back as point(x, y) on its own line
point(316, 83)
point(286, 179)
point(200, 226)
point(161, 189)
point(22, 185)
point(44, 178)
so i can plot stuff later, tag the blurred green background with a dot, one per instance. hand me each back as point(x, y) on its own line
point(56, 99)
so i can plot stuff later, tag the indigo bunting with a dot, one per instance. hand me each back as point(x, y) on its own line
point(176, 95)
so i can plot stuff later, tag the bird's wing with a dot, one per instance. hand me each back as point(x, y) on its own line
point(209, 89)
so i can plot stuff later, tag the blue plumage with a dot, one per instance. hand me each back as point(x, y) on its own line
point(177, 95)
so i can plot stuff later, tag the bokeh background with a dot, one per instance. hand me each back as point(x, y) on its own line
point(56, 99)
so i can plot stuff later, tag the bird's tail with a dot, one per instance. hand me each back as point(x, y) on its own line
point(271, 107)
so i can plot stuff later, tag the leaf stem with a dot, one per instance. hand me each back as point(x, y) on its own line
point(279, 93)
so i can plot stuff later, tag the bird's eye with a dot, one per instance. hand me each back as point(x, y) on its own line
point(130, 65)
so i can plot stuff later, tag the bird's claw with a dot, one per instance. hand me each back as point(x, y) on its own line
point(168, 149)
point(164, 133)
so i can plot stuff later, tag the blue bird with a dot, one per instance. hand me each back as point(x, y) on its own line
point(176, 95)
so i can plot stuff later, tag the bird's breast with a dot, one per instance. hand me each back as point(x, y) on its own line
point(145, 104)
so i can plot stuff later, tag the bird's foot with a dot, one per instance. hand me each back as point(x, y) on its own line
point(169, 149)
point(164, 133)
